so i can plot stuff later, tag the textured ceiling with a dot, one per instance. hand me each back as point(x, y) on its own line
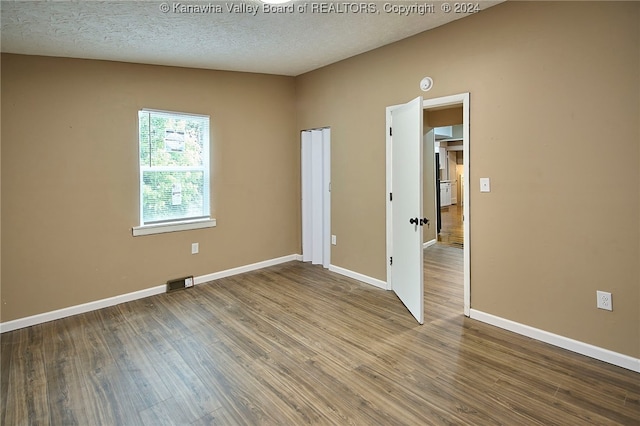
point(210, 34)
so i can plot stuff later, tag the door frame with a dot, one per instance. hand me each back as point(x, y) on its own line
point(452, 100)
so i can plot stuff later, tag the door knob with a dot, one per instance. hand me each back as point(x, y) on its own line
point(424, 221)
point(414, 221)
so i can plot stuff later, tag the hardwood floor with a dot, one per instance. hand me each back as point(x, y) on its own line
point(296, 344)
point(452, 230)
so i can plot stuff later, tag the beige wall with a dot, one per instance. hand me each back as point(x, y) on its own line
point(69, 178)
point(443, 117)
point(557, 76)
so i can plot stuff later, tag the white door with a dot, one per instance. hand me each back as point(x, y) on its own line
point(395, 219)
point(406, 206)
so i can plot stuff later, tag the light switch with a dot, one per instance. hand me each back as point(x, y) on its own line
point(485, 185)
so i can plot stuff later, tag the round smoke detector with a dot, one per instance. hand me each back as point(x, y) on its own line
point(426, 84)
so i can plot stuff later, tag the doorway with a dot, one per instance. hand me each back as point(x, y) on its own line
point(428, 152)
point(446, 124)
point(315, 149)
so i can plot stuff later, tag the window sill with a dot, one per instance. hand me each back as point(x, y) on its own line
point(173, 227)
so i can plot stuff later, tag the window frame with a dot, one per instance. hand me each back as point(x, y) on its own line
point(183, 224)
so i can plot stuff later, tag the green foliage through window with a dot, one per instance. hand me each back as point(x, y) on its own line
point(174, 166)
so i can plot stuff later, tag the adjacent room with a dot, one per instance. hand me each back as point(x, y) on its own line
point(156, 262)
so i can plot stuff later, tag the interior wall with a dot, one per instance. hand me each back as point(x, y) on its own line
point(546, 79)
point(443, 117)
point(70, 178)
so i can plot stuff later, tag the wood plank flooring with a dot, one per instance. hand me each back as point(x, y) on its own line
point(295, 344)
point(452, 228)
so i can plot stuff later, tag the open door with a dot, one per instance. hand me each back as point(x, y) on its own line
point(406, 276)
point(404, 190)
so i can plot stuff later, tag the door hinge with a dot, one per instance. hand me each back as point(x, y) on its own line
point(391, 196)
point(391, 260)
point(390, 132)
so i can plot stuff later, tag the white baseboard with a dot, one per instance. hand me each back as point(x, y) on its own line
point(79, 309)
point(116, 300)
point(357, 276)
point(247, 268)
point(582, 348)
point(428, 244)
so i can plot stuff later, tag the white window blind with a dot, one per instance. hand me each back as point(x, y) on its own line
point(174, 167)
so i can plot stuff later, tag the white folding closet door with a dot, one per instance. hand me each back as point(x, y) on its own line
point(316, 226)
point(305, 140)
point(317, 221)
point(326, 202)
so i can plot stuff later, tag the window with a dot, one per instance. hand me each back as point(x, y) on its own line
point(174, 172)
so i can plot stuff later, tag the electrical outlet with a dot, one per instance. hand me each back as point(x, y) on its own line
point(195, 248)
point(334, 240)
point(604, 300)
